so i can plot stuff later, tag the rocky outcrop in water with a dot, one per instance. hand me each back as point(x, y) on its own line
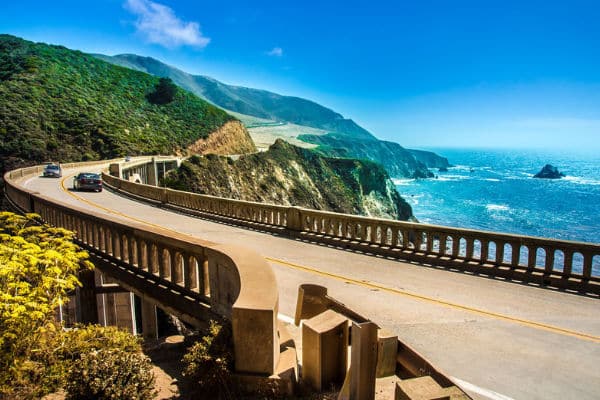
point(290, 175)
point(549, 172)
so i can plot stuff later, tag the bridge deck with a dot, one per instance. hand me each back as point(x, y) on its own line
point(502, 337)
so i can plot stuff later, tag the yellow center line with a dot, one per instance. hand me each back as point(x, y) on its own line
point(477, 311)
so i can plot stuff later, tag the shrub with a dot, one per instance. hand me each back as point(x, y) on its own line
point(208, 363)
point(111, 374)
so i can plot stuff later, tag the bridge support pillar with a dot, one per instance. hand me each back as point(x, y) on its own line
point(85, 299)
point(149, 320)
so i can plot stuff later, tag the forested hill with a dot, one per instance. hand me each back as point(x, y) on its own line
point(59, 104)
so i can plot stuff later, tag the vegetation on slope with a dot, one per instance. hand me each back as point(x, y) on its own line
point(60, 104)
point(290, 175)
point(38, 268)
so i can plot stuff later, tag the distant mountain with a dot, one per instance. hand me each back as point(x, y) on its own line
point(63, 105)
point(254, 102)
point(340, 137)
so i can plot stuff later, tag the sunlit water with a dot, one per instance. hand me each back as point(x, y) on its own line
point(495, 190)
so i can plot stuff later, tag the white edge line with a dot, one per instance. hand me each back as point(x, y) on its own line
point(490, 394)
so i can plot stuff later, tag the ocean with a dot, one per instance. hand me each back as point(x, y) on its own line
point(494, 190)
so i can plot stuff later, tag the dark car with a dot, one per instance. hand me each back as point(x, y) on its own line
point(87, 181)
point(53, 171)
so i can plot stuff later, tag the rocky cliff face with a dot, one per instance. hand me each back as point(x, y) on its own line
point(430, 159)
point(231, 138)
point(289, 175)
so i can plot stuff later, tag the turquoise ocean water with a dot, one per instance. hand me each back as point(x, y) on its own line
point(495, 190)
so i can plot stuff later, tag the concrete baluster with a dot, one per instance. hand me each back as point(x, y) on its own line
point(484, 252)
point(152, 258)
point(190, 275)
point(470, 246)
point(531, 256)
point(140, 249)
point(588, 257)
point(500, 252)
point(429, 241)
point(163, 263)
point(515, 248)
point(177, 268)
point(549, 262)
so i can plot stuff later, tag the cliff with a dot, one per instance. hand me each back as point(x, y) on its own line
point(430, 159)
point(397, 161)
point(231, 138)
point(290, 175)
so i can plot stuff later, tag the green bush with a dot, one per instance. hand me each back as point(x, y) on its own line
point(111, 374)
point(208, 363)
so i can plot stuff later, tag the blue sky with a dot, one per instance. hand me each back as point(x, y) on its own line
point(423, 73)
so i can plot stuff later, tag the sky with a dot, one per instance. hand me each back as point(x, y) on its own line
point(512, 74)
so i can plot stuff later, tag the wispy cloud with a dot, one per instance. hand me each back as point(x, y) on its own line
point(275, 52)
point(159, 24)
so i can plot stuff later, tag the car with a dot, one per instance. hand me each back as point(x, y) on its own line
point(127, 158)
point(52, 171)
point(87, 181)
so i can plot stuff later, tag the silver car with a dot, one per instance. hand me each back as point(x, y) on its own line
point(52, 171)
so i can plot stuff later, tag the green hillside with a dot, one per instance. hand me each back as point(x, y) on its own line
point(60, 104)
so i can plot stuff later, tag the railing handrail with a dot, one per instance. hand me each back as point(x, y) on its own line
point(478, 251)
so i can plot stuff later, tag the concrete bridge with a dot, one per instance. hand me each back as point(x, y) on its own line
point(504, 315)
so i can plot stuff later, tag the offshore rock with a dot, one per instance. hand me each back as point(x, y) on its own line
point(549, 172)
point(293, 176)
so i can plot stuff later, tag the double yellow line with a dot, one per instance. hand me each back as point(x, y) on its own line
point(477, 311)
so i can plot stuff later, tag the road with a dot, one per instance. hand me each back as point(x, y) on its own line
point(499, 340)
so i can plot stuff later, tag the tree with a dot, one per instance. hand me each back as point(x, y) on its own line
point(164, 92)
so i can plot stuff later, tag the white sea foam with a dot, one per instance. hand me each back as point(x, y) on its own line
point(402, 182)
point(581, 181)
point(492, 179)
point(452, 177)
point(496, 207)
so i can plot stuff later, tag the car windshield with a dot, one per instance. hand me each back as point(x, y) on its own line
point(52, 167)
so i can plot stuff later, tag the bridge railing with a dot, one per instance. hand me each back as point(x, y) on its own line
point(207, 278)
point(542, 261)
